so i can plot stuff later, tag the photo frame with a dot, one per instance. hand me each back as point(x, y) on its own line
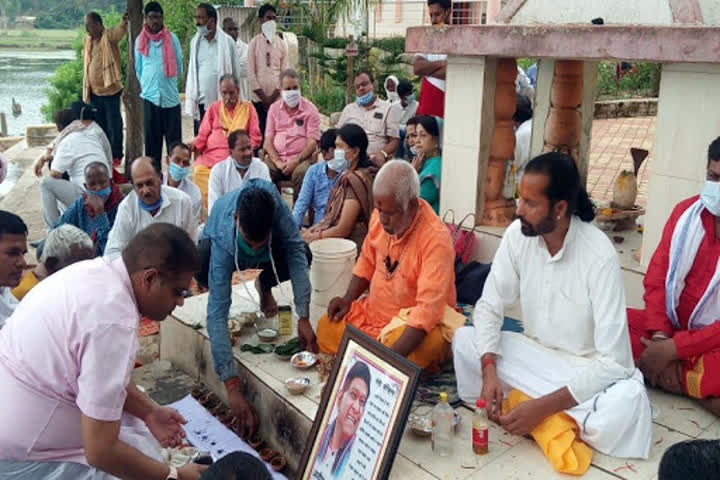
point(362, 413)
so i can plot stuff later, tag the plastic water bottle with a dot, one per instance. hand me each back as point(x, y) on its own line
point(442, 420)
point(480, 428)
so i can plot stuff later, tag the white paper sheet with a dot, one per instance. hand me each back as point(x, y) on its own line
point(207, 434)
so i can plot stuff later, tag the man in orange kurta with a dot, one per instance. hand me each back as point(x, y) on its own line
point(406, 261)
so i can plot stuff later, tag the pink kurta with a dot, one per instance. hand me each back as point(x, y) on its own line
point(68, 350)
point(212, 139)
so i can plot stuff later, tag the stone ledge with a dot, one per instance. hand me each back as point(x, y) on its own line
point(632, 107)
point(40, 135)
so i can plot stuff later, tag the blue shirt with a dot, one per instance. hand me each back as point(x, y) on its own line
point(314, 193)
point(220, 228)
point(100, 225)
point(532, 74)
point(155, 87)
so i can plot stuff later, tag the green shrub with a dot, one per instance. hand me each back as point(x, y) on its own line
point(643, 82)
point(391, 44)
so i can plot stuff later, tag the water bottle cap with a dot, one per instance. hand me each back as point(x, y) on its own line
point(443, 396)
point(480, 403)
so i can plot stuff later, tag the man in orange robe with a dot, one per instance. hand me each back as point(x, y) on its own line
point(406, 262)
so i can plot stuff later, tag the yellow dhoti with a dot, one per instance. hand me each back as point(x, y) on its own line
point(201, 177)
point(429, 355)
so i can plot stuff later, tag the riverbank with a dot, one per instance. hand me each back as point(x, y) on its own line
point(37, 39)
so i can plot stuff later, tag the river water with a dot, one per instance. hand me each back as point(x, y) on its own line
point(24, 75)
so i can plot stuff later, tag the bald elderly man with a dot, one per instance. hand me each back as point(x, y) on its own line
point(149, 202)
point(406, 262)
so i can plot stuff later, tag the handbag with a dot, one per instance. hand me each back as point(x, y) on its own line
point(463, 240)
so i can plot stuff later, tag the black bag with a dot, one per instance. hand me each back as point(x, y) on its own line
point(470, 280)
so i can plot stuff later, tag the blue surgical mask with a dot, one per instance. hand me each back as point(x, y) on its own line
point(338, 163)
point(240, 166)
point(152, 206)
point(365, 99)
point(102, 193)
point(177, 172)
point(710, 197)
point(413, 150)
point(203, 30)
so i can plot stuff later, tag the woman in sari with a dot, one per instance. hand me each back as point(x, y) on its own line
point(350, 201)
point(222, 117)
point(428, 162)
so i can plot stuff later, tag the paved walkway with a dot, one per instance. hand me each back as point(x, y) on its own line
point(610, 154)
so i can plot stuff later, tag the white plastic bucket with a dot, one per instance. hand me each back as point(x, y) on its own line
point(330, 273)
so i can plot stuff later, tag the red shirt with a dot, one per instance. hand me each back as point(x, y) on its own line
point(689, 343)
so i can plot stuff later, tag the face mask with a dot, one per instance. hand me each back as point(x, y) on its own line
point(710, 197)
point(203, 30)
point(152, 206)
point(413, 150)
point(240, 165)
point(365, 99)
point(268, 29)
point(410, 99)
point(339, 162)
point(177, 172)
point(246, 251)
point(102, 193)
point(291, 97)
point(393, 96)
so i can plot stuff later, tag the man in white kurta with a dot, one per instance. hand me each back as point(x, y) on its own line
point(574, 354)
point(149, 202)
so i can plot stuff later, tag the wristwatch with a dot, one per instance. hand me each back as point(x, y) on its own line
point(173, 475)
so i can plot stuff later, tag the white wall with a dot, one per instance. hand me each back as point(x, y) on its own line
point(645, 12)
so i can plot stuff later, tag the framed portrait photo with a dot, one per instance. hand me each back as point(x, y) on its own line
point(362, 413)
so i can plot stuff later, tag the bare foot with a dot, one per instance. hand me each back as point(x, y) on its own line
point(268, 305)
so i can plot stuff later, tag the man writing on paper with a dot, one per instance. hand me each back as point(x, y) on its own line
point(406, 262)
point(573, 362)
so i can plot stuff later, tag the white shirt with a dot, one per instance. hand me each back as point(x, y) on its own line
point(224, 178)
point(242, 53)
point(207, 59)
point(192, 191)
point(79, 149)
point(7, 304)
point(573, 302)
point(176, 208)
point(405, 113)
point(522, 145)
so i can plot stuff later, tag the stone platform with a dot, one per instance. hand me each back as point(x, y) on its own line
point(286, 419)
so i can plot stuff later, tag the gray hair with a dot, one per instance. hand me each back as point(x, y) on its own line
point(290, 73)
point(229, 76)
point(60, 240)
point(401, 178)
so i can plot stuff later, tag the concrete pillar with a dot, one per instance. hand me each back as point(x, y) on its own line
point(493, 9)
point(687, 121)
point(466, 133)
point(542, 105)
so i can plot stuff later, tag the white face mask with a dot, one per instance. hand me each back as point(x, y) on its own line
point(339, 162)
point(413, 150)
point(268, 29)
point(291, 97)
point(710, 197)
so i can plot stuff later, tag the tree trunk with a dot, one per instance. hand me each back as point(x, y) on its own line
point(131, 97)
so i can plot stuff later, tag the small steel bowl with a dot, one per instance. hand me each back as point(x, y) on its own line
point(267, 334)
point(303, 360)
point(297, 385)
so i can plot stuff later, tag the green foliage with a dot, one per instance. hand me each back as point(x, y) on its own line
point(644, 81)
point(525, 63)
point(391, 44)
point(60, 17)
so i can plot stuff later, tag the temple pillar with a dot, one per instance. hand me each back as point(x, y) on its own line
point(467, 130)
point(581, 101)
point(679, 152)
point(498, 210)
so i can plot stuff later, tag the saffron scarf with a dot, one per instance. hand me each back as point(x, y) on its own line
point(237, 119)
point(168, 49)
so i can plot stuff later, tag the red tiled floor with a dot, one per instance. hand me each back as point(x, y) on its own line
point(610, 154)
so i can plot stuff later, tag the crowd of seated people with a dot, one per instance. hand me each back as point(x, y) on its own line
point(577, 371)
